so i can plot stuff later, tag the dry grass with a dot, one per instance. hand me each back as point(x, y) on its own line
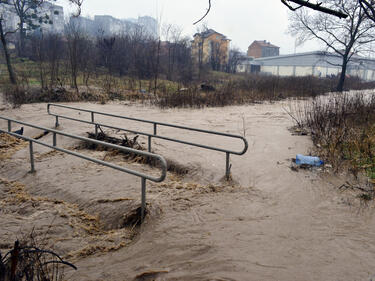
point(10, 145)
point(84, 226)
point(27, 261)
point(342, 127)
point(231, 89)
point(253, 88)
point(172, 166)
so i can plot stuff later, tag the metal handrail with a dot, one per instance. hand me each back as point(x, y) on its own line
point(143, 176)
point(154, 135)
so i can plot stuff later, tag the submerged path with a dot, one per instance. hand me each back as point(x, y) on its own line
point(271, 223)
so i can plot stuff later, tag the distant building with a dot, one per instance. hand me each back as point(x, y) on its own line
point(86, 24)
point(317, 63)
point(10, 19)
point(261, 49)
point(149, 24)
point(48, 17)
point(108, 25)
point(210, 47)
point(246, 65)
point(53, 18)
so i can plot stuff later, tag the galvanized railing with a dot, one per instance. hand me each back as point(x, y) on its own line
point(143, 176)
point(154, 135)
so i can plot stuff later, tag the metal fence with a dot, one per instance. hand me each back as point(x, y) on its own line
point(154, 135)
point(143, 176)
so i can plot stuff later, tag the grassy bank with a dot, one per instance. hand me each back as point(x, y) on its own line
point(342, 127)
point(37, 84)
point(243, 89)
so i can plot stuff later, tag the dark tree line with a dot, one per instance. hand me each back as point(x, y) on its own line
point(75, 58)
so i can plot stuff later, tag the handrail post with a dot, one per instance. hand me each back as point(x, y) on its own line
point(150, 140)
point(57, 122)
point(227, 166)
point(96, 131)
point(92, 116)
point(143, 203)
point(54, 139)
point(31, 156)
point(9, 126)
point(149, 143)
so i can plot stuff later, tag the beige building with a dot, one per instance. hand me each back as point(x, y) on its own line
point(211, 47)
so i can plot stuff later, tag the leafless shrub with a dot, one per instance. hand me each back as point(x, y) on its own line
point(27, 262)
point(14, 94)
point(342, 127)
point(253, 88)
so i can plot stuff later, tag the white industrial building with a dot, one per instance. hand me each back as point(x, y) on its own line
point(318, 63)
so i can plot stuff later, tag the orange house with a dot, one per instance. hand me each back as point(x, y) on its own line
point(211, 47)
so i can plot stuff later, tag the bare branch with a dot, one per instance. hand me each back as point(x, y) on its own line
point(78, 3)
point(10, 32)
point(317, 7)
point(289, 6)
point(302, 3)
point(368, 8)
point(208, 10)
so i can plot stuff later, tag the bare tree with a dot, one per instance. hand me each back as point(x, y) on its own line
point(235, 58)
point(343, 37)
point(3, 34)
point(106, 46)
point(26, 10)
point(218, 55)
point(172, 37)
point(75, 39)
point(48, 52)
point(184, 62)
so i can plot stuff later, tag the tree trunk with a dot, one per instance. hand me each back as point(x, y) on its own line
point(340, 85)
point(22, 38)
point(157, 68)
point(12, 76)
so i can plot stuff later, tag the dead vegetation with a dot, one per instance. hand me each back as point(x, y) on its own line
point(342, 127)
point(252, 89)
point(217, 90)
point(126, 141)
point(28, 262)
point(95, 234)
point(10, 145)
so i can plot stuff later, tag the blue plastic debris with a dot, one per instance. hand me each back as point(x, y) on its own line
point(308, 160)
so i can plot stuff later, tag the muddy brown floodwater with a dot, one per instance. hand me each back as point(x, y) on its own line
point(269, 223)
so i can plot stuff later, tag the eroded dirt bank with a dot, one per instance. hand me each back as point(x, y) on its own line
point(270, 223)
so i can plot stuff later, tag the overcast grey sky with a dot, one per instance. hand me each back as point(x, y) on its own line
point(242, 21)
